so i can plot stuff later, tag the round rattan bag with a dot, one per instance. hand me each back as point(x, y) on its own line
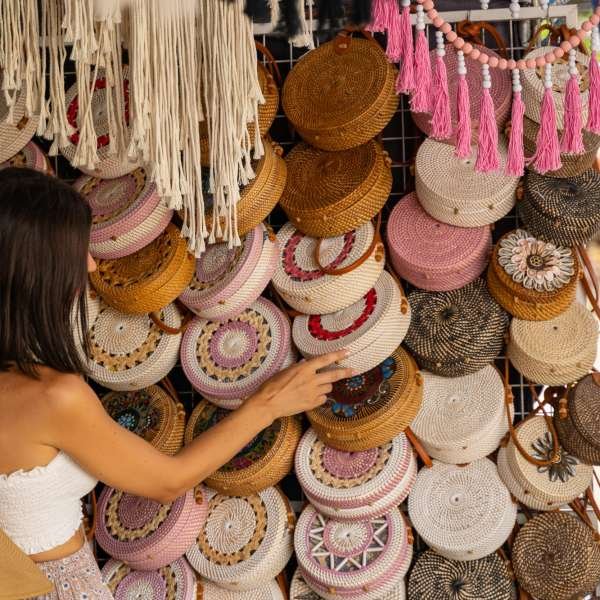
point(331, 193)
point(262, 463)
point(354, 486)
point(433, 255)
point(462, 512)
point(17, 132)
point(562, 211)
point(145, 534)
point(127, 213)
point(30, 156)
point(207, 590)
point(532, 279)
point(176, 581)
point(363, 560)
point(151, 413)
point(452, 191)
point(342, 94)
point(458, 332)
point(556, 557)
point(246, 541)
point(320, 276)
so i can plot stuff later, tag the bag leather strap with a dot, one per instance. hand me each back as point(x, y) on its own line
point(272, 65)
point(172, 330)
point(589, 279)
point(419, 449)
point(471, 32)
point(560, 32)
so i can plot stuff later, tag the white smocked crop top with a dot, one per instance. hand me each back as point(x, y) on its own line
point(41, 509)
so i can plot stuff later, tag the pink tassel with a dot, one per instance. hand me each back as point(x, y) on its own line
point(488, 156)
point(405, 82)
point(463, 111)
point(379, 17)
point(593, 122)
point(572, 139)
point(515, 163)
point(393, 49)
point(421, 98)
point(441, 122)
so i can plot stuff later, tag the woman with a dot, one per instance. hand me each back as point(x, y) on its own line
point(56, 440)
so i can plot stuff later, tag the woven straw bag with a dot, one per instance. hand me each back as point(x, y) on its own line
point(127, 213)
point(246, 541)
point(556, 557)
point(320, 276)
point(555, 352)
point(371, 409)
point(16, 133)
point(176, 581)
point(433, 255)
point(461, 419)
point(354, 486)
point(458, 332)
point(363, 560)
point(563, 211)
point(229, 280)
point(435, 577)
point(452, 191)
point(145, 534)
point(207, 590)
point(330, 193)
point(532, 279)
point(462, 512)
point(151, 413)
point(262, 463)
point(342, 94)
point(30, 156)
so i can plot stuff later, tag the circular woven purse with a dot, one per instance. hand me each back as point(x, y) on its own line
point(262, 463)
point(532, 279)
point(320, 276)
point(563, 211)
point(229, 280)
point(556, 557)
point(435, 577)
point(145, 534)
point(151, 413)
point(369, 329)
point(433, 255)
point(331, 193)
point(246, 541)
point(555, 352)
point(342, 94)
point(452, 191)
point(150, 278)
point(462, 512)
point(369, 410)
point(361, 560)
point(458, 332)
point(17, 132)
point(30, 156)
point(461, 419)
point(355, 486)
point(127, 213)
point(176, 581)
point(207, 590)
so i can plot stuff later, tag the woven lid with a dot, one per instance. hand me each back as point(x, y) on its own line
point(555, 557)
point(207, 590)
point(462, 512)
point(246, 541)
point(433, 255)
point(341, 94)
point(144, 533)
point(458, 332)
point(263, 462)
point(15, 134)
point(355, 485)
point(176, 581)
point(452, 191)
point(584, 408)
point(435, 577)
point(363, 560)
point(30, 156)
point(309, 288)
point(150, 413)
point(127, 213)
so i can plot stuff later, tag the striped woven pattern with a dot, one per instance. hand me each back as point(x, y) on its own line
point(30, 156)
point(16, 134)
point(207, 590)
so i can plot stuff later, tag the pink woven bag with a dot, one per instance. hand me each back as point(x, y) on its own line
point(32, 157)
point(433, 255)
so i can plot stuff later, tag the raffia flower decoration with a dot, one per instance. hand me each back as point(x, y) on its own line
point(563, 469)
point(535, 264)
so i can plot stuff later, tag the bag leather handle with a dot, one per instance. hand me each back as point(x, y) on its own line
point(272, 65)
point(342, 40)
point(471, 32)
point(560, 32)
point(419, 449)
point(187, 319)
point(589, 279)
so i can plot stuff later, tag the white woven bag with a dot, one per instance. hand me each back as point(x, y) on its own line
point(207, 590)
point(17, 132)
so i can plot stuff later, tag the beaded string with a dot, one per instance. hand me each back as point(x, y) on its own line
point(463, 110)
point(488, 156)
point(421, 100)
point(441, 124)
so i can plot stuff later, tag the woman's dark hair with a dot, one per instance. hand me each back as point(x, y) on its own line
point(44, 238)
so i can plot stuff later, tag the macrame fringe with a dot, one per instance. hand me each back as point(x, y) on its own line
point(304, 38)
point(441, 121)
point(405, 82)
point(463, 111)
point(593, 122)
point(330, 11)
point(421, 100)
point(547, 153)
point(488, 155)
point(515, 162)
point(572, 138)
point(361, 12)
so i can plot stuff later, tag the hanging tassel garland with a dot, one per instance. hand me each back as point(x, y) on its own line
point(393, 49)
point(593, 122)
point(405, 82)
point(515, 162)
point(421, 97)
point(488, 156)
point(441, 123)
point(304, 37)
point(572, 139)
point(463, 110)
point(379, 16)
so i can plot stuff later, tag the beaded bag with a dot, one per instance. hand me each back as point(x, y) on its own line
point(15, 133)
point(30, 156)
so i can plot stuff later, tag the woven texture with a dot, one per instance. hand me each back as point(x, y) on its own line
point(246, 541)
point(330, 193)
point(15, 135)
point(30, 156)
point(207, 590)
point(458, 332)
point(302, 283)
point(435, 577)
point(362, 560)
point(145, 534)
point(341, 94)
point(262, 463)
point(555, 557)
point(555, 352)
point(463, 513)
point(433, 255)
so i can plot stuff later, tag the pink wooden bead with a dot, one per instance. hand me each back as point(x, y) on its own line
point(521, 64)
point(427, 5)
point(566, 46)
point(581, 34)
point(511, 64)
point(446, 28)
point(475, 53)
point(494, 61)
point(540, 61)
point(587, 26)
point(432, 14)
point(451, 36)
point(550, 58)
point(530, 62)
point(483, 58)
point(574, 41)
point(595, 19)
point(467, 48)
point(438, 22)
point(459, 43)
point(558, 52)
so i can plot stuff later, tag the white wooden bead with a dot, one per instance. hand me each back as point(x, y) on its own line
point(440, 50)
point(420, 18)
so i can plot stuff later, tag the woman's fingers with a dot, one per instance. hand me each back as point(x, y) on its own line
point(320, 362)
point(333, 376)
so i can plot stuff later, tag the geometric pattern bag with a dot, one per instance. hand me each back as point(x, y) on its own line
point(30, 156)
point(15, 133)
